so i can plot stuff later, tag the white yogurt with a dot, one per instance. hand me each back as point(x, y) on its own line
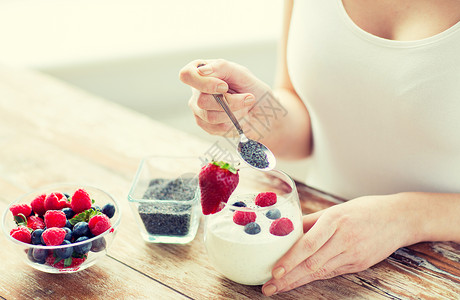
point(245, 258)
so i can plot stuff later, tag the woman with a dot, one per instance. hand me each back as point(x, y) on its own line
point(372, 94)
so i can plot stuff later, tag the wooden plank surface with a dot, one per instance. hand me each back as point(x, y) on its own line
point(50, 132)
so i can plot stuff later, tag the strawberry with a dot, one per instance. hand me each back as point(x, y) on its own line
point(217, 182)
point(80, 201)
point(99, 224)
point(281, 227)
point(55, 201)
point(244, 217)
point(34, 222)
point(265, 199)
point(21, 233)
point(24, 209)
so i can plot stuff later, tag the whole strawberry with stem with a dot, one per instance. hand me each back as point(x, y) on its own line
point(217, 182)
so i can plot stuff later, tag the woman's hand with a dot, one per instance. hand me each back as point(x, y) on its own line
point(345, 238)
point(240, 87)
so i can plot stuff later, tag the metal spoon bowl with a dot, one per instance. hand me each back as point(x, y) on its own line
point(255, 154)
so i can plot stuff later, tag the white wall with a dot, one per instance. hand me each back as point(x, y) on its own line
point(130, 51)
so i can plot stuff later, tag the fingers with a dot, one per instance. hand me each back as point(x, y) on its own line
point(198, 78)
point(320, 275)
point(310, 220)
point(210, 116)
point(217, 122)
point(215, 76)
point(307, 245)
point(235, 101)
point(324, 263)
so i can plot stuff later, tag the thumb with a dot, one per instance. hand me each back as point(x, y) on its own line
point(239, 101)
point(239, 78)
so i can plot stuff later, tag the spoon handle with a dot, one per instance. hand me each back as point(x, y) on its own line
point(223, 102)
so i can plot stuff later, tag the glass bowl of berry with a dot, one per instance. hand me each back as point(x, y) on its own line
point(63, 228)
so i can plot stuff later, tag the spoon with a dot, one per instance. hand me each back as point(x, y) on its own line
point(255, 154)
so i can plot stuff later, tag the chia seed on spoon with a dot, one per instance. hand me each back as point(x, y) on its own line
point(252, 152)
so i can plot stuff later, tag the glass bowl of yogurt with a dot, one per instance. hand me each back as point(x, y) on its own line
point(255, 228)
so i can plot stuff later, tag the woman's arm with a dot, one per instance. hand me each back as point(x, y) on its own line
point(436, 216)
point(285, 144)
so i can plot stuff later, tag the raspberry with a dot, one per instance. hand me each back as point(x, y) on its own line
point(281, 227)
point(21, 233)
point(265, 199)
point(55, 201)
point(53, 236)
point(38, 204)
point(34, 222)
point(24, 209)
point(60, 263)
point(244, 217)
point(80, 201)
point(99, 224)
point(55, 218)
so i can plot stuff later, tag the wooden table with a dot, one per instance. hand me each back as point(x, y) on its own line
point(50, 132)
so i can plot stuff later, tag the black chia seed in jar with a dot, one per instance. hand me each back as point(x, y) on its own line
point(253, 153)
point(168, 218)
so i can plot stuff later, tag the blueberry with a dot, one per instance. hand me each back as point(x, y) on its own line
point(40, 255)
point(238, 204)
point(84, 248)
point(68, 225)
point(41, 238)
point(29, 254)
point(80, 229)
point(68, 235)
point(64, 252)
point(252, 228)
point(99, 244)
point(273, 214)
point(108, 210)
point(37, 237)
point(69, 213)
point(67, 195)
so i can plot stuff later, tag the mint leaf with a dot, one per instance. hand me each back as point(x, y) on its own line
point(94, 213)
point(81, 217)
point(20, 219)
point(84, 216)
point(67, 262)
point(58, 259)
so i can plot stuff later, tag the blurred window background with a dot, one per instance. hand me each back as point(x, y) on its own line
point(130, 51)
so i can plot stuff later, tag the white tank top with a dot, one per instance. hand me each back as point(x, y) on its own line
point(385, 114)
